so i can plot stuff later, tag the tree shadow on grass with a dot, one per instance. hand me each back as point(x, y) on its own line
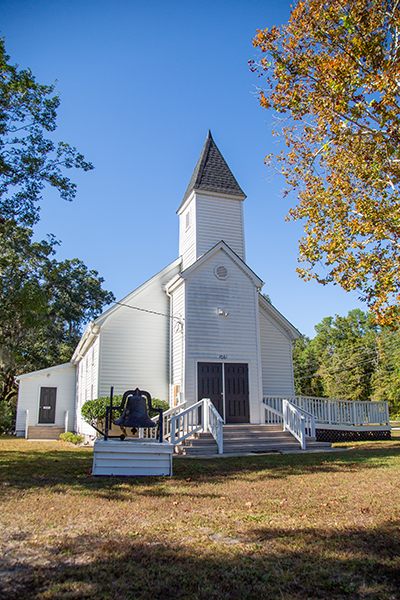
point(58, 468)
point(299, 564)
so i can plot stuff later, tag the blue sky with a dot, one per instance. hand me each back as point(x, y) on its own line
point(140, 85)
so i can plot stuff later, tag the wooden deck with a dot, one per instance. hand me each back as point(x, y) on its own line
point(351, 420)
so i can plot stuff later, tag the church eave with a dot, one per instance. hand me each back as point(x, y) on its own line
point(277, 316)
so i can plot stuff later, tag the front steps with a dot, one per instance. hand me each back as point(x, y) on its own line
point(246, 439)
point(45, 433)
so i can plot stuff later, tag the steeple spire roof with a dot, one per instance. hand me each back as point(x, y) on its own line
point(212, 174)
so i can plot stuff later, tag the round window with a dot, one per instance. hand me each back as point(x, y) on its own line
point(221, 272)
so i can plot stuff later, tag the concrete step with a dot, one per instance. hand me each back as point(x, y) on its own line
point(263, 435)
point(44, 433)
point(196, 451)
point(246, 439)
point(251, 427)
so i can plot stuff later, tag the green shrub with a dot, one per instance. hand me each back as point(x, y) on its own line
point(71, 437)
point(158, 404)
point(94, 411)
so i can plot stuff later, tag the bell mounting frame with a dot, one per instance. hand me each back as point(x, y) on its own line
point(127, 394)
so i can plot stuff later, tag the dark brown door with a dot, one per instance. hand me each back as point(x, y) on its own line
point(47, 410)
point(210, 384)
point(237, 393)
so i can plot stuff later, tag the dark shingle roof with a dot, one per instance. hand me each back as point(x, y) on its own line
point(212, 174)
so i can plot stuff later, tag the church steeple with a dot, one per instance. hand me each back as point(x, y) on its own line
point(212, 173)
point(212, 207)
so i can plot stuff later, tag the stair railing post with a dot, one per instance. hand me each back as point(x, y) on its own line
point(66, 422)
point(206, 416)
point(221, 438)
point(172, 438)
point(303, 432)
point(26, 424)
point(262, 411)
point(284, 412)
point(106, 424)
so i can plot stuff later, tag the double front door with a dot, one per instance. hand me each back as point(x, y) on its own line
point(227, 386)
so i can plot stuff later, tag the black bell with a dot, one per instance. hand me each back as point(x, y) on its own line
point(135, 413)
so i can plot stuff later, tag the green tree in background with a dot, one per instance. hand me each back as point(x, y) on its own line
point(28, 159)
point(386, 378)
point(306, 365)
point(44, 304)
point(332, 74)
point(347, 349)
point(350, 358)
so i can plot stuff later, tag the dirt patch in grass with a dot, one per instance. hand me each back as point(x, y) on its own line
point(294, 526)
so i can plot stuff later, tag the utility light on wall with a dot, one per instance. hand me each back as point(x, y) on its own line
point(222, 312)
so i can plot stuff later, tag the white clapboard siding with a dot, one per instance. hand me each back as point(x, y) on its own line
point(113, 457)
point(61, 377)
point(178, 338)
point(91, 370)
point(134, 344)
point(276, 358)
point(87, 384)
point(208, 335)
point(79, 395)
point(187, 234)
point(219, 218)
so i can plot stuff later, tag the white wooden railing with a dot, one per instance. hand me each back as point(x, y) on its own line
point(180, 422)
point(151, 432)
point(270, 414)
point(213, 423)
point(66, 418)
point(202, 416)
point(334, 412)
point(309, 422)
point(186, 423)
point(301, 424)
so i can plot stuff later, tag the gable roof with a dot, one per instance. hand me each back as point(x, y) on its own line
point(294, 334)
point(212, 173)
point(225, 248)
point(43, 371)
point(93, 328)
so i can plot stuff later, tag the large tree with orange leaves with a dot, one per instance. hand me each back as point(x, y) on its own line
point(332, 74)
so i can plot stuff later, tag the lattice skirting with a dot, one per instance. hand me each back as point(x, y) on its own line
point(333, 435)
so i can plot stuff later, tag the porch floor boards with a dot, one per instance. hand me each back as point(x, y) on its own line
point(247, 439)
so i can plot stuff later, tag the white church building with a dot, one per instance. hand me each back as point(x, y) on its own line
point(198, 328)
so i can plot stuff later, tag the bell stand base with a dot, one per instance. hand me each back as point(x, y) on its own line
point(132, 458)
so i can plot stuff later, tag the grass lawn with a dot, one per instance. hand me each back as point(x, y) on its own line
point(302, 526)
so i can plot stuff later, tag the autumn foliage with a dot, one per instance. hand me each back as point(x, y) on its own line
point(332, 76)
